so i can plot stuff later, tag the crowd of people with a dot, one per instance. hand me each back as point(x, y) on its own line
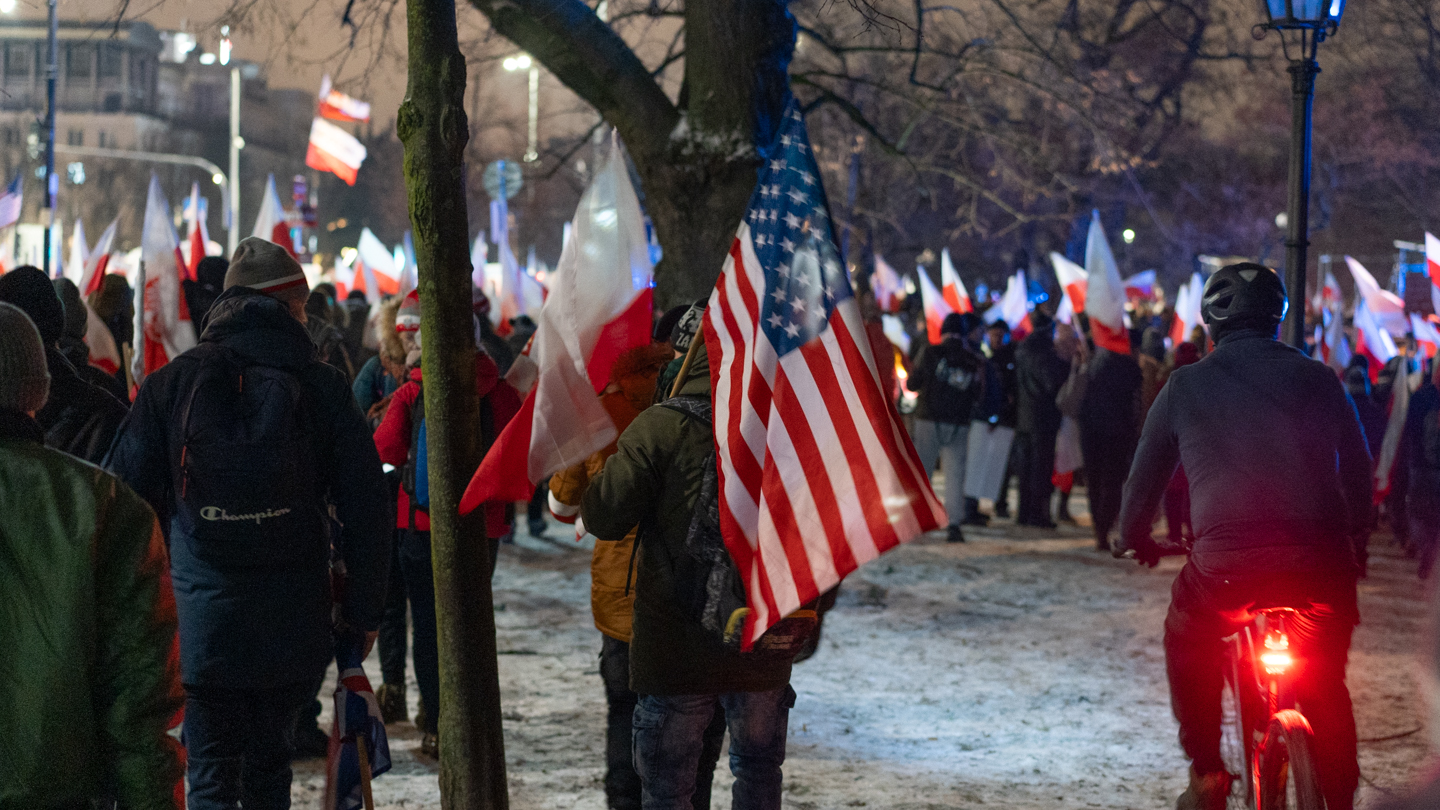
point(200, 551)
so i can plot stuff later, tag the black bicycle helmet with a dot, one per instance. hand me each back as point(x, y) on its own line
point(1247, 293)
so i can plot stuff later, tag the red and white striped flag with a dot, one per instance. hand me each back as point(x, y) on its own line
point(334, 150)
point(816, 475)
point(271, 222)
point(165, 331)
point(338, 106)
point(952, 287)
point(98, 260)
point(1104, 292)
point(937, 309)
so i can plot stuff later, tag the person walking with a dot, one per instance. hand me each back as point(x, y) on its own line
point(1422, 453)
point(1109, 425)
point(682, 673)
point(1039, 373)
point(397, 440)
point(258, 462)
point(1280, 492)
point(79, 418)
point(949, 381)
point(1001, 378)
point(88, 627)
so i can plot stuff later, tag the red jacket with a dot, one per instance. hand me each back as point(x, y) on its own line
point(392, 438)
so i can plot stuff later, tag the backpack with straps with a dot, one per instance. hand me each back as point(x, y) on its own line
point(415, 476)
point(708, 583)
point(248, 484)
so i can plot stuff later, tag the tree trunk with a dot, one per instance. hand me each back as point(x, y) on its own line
point(433, 128)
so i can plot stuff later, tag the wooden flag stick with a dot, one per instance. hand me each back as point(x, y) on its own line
point(364, 752)
point(695, 341)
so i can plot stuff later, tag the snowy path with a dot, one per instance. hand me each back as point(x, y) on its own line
point(1016, 671)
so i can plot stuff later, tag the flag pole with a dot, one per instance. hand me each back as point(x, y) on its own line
point(364, 753)
point(696, 340)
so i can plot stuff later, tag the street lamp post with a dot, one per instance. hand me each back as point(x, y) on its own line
point(52, 180)
point(532, 131)
point(236, 144)
point(1303, 24)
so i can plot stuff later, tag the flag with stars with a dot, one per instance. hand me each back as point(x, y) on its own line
point(817, 476)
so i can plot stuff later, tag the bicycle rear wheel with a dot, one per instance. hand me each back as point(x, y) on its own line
point(1237, 735)
point(1285, 765)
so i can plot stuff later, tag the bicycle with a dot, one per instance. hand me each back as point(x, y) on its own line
point(1266, 742)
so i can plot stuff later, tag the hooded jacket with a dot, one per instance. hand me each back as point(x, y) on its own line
point(1039, 373)
point(631, 390)
point(261, 625)
point(88, 678)
point(1278, 469)
point(652, 481)
point(392, 438)
point(949, 379)
point(79, 418)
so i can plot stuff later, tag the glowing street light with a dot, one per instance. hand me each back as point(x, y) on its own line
point(524, 62)
point(1128, 235)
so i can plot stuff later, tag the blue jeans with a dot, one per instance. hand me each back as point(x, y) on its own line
point(669, 741)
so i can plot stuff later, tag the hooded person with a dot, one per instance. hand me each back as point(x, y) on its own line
point(114, 305)
point(949, 379)
point(201, 293)
point(612, 595)
point(1039, 372)
point(396, 440)
point(89, 622)
point(73, 345)
point(258, 462)
point(79, 418)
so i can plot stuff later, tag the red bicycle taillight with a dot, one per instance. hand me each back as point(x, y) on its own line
point(1276, 657)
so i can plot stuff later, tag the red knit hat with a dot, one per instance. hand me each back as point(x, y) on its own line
point(407, 319)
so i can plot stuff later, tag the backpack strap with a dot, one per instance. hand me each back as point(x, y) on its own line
point(692, 406)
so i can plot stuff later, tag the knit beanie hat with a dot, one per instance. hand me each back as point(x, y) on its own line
point(76, 318)
point(29, 289)
point(407, 319)
point(24, 381)
point(265, 267)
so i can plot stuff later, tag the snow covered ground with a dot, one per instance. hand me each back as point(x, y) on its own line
point(1022, 669)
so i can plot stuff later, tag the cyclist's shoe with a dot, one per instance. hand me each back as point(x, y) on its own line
point(1207, 792)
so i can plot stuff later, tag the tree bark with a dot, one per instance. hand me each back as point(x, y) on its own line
point(696, 164)
point(433, 128)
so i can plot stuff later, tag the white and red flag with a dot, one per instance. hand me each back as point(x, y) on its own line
point(334, 150)
point(163, 319)
point(375, 270)
point(1187, 309)
point(1371, 339)
point(598, 307)
point(1426, 336)
point(951, 287)
point(885, 283)
point(1140, 285)
point(1014, 306)
point(1104, 293)
point(271, 223)
point(1333, 345)
point(79, 251)
point(1432, 268)
point(1073, 280)
point(817, 476)
point(199, 235)
point(337, 106)
point(1386, 307)
point(98, 260)
point(935, 305)
point(10, 202)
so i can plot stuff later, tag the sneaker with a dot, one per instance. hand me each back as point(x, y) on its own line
point(391, 698)
point(430, 746)
point(310, 742)
point(1208, 792)
point(955, 535)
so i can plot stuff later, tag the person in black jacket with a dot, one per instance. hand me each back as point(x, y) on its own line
point(1039, 373)
point(1109, 421)
point(255, 603)
point(949, 380)
point(73, 346)
point(80, 418)
point(1001, 377)
point(1422, 453)
point(1280, 492)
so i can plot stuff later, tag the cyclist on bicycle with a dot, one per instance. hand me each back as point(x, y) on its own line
point(1280, 493)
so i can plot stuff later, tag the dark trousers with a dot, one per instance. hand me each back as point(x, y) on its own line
point(393, 628)
point(238, 744)
point(1036, 453)
point(1204, 610)
point(622, 783)
point(420, 589)
point(1107, 463)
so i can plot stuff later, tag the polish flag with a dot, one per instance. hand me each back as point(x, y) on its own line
point(1329, 295)
point(337, 106)
point(1333, 346)
point(1073, 280)
point(1187, 309)
point(951, 287)
point(198, 236)
point(98, 260)
point(599, 306)
point(1140, 285)
point(1372, 340)
point(885, 283)
point(1386, 307)
point(79, 251)
point(270, 223)
point(936, 307)
point(1105, 294)
point(163, 320)
point(334, 150)
point(1426, 336)
point(376, 273)
point(1406, 383)
point(1014, 306)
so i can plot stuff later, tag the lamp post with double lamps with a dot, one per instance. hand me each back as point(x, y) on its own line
point(1303, 25)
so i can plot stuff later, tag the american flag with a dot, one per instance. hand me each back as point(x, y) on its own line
point(10, 203)
point(816, 474)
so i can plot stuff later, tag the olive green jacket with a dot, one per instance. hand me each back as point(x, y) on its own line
point(89, 673)
point(652, 481)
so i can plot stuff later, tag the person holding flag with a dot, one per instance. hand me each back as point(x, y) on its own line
point(793, 431)
point(949, 380)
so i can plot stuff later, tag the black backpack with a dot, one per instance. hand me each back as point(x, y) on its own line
point(247, 484)
point(708, 584)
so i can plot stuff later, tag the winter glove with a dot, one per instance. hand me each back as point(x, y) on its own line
point(1143, 550)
